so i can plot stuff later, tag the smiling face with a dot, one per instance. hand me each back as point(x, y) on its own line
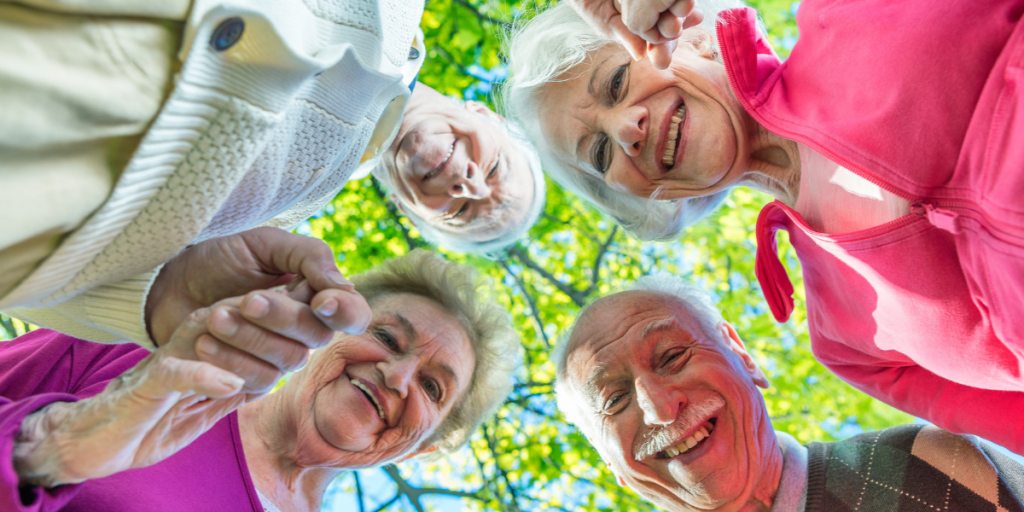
point(680, 130)
point(456, 167)
point(677, 418)
point(377, 396)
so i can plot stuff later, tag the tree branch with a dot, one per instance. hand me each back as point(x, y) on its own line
point(415, 493)
point(534, 312)
point(578, 297)
point(359, 492)
point(596, 272)
point(504, 474)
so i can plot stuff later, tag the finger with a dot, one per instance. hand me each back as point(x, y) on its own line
point(170, 374)
point(661, 54)
point(695, 18)
point(633, 43)
point(279, 251)
point(284, 352)
point(640, 19)
point(683, 8)
point(258, 376)
point(670, 26)
point(342, 310)
point(290, 318)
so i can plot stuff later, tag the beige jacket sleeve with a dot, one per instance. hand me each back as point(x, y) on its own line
point(112, 313)
point(176, 10)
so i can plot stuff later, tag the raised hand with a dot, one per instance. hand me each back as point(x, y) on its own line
point(258, 259)
point(141, 418)
point(644, 27)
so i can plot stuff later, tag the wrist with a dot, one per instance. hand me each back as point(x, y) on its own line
point(36, 456)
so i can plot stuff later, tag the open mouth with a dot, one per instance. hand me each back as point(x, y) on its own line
point(696, 440)
point(668, 158)
point(437, 168)
point(369, 395)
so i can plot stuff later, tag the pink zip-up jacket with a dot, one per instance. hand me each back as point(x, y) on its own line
point(922, 98)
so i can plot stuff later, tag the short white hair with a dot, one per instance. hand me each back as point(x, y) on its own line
point(460, 290)
point(510, 234)
point(541, 51)
point(705, 322)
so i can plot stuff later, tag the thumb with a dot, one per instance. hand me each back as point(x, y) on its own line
point(281, 252)
point(171, 374)
point(634, 44)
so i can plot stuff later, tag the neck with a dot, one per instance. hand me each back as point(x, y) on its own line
point(269, 441)
point(763, 497)
point(774, 166)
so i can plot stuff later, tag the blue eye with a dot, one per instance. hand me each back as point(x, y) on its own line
point(386, 338)
point(615, 84)
point(602, 155)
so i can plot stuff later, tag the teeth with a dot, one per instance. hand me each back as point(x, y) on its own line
point(433, 172)
point(360, 385)
point(669, 157)
point(687, 444)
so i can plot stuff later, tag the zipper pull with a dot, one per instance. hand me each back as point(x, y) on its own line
point(940, 218)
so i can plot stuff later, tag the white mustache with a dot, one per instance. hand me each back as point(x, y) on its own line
point(693, 415)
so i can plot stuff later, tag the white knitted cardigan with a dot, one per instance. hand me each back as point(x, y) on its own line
point(265, 131)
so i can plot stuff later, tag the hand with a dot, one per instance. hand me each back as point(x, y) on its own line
point(258, 259)
point(644, 27)
point(261, 335)
point(141, 418)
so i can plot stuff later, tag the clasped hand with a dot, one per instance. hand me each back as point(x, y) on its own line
point(222, 353)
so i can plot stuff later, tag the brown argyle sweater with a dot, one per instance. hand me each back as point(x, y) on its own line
point(912, 468)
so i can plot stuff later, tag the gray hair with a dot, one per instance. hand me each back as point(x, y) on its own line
point(541, 51)
point(705, 323)
point(452, 241)
point(460, 290)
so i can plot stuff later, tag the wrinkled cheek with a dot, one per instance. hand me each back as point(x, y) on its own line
point(351, 438)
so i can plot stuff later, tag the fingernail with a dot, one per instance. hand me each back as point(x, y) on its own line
point(328, 308)
point(223, 324)
point(256, 307)
point(337, 279)
point(231, 381)
point(295, 282)
point(207, 346)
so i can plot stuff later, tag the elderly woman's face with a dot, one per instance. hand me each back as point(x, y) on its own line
point(680, 130)
point(377, 396)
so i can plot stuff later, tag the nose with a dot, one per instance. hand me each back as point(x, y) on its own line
point(469, 184)
point(660, 406)
point(398, 374)
point(629, 129)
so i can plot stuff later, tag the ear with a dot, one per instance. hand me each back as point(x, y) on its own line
point(700, 40)
point(738, 348)
point(480, 108)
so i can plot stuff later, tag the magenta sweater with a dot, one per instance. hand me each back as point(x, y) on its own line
point(923, 99)
point(44, 367)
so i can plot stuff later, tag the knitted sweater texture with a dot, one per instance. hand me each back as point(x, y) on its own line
point(264, 131)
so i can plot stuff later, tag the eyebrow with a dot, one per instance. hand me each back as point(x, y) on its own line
point(454, 379)
point(593, 93)
point(591, 389)
point(661, 324)
point(407, 327)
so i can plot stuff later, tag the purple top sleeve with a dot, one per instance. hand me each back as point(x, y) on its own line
point(40, 368)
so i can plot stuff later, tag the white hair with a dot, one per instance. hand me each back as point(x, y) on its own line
point(541, 51)
point(460, 290)
point(704, 322)
point(506, 237)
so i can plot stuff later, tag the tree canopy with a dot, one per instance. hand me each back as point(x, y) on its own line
point(528, 457)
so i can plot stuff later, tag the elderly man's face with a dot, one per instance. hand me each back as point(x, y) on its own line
point(456, 167)
point(649, 389)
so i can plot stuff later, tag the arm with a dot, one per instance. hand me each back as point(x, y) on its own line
point(954, 407)
point(56, 430)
